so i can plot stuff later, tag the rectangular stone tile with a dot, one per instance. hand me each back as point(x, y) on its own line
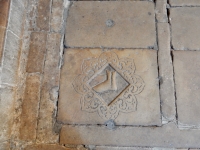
point(45, 147)
point(2, 36)
point(121, 24)
point(37, 50)
point(16, 17)
point(4, 9)
point(184, 2)
point(166, 136)
point(43, 15)
point(166, 72)
point(161, 11)
point(49, 92)
point(97, 86)
point(30, 108)
point(185, 28)
point(187, 81)
point(57, 15)
point(10, 59)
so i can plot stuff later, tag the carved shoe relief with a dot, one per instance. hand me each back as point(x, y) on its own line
point(109, 84)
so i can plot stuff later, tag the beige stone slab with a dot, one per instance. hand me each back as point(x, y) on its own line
point(79, 103)
point(168, 136)
point(121, 24)
point(184, 2)
point(30, 108)
point(187, 79)
point(161, 11)
point(120, 148)
point(56, 21)
point(46, 147)
point(46, 133)
point(166, 72)
point(37, 50)
point(43, 15)
point(185, 28)
point(10, 59)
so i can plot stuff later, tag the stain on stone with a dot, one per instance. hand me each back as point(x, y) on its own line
point(110, 23)
point(110, 124)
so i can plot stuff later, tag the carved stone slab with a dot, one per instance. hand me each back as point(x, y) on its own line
point(120, 85)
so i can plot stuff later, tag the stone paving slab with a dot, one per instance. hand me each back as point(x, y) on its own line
point(185, 28)
point(184, 2)
point(187, 80)
point(120, 148)
point(46, 147)
point(81, 100)
point(166, 136)
point(167, 96)
point(127, 24)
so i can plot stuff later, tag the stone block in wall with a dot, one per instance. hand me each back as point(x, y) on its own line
point(10, 59)
point(117, 24)
point(37, 50)
point(30, 108)
point(47, 132)
point(16, 16)
point(46, 147)
point(56, 21)
point(4, 10)
point(2, 36)
point(43, 15)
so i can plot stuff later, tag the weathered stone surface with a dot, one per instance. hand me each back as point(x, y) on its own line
point(166, 72)
point(4, 9)
point(15, 23)
point(50, 87)
point(120, 148)
point(185, 28)
point(79, 101)
point(45, 147)
point(184, 2)
point(31, 14)
point(2, 35)
point(6, 114)
point(30, 108)
point(111, 24)
point(161, 11)
point(10, 59)
point(166, 136)
point(187, 79)
point(43, 12)
point(133, 148)
point(4, 146)
point(37, 52)
point(57, 15)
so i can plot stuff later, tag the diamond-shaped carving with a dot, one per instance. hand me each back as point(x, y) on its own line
point(108, 84)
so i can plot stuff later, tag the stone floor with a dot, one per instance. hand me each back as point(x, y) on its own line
point(99, 75)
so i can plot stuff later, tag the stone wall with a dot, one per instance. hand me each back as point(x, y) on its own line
point(56, 55)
